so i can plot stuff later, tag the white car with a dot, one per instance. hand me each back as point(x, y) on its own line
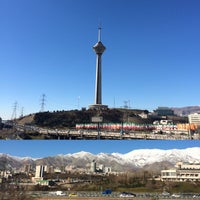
point(58, 193)
point(196, 196)
point(176, 195)
point(166, 194)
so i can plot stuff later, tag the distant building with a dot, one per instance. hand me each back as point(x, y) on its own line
point(164, 111)
point(42, 182)
point(194, 118)
point(100, 168)
point(1, 124)
point(144, 115)
point(38, 173)
point(69, 168)
point(27, 169)
point(48, 169)
point(182, 172)
point(163, 122)
point(93, 166)
point(5, 174)
point(57, 170)
point(107, 170)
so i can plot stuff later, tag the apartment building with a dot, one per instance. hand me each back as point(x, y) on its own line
point(194, 118)
point(38, 173)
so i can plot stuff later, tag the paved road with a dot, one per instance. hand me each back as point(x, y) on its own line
point(92, 134)
point(107, 198)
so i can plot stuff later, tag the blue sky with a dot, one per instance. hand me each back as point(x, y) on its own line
point(41, 148)
point(152, 56)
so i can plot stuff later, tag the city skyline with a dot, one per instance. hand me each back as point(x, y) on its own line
point(41, 148)
point(152, 56)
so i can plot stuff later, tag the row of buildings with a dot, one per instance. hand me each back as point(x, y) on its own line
point(163, 119)
point(37, 173)
point(181, 172)
point(193, 118)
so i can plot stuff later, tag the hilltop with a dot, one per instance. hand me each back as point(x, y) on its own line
point(69, 119)
point(62, 119)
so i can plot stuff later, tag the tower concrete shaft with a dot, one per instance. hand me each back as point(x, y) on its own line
point(99, 48)
point(98, 85)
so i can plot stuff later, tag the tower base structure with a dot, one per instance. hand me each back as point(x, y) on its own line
point(98, 107)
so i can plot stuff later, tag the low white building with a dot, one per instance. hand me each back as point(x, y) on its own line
point(182, 172)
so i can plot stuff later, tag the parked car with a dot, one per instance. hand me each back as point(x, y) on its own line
point(73, 195)
point(58, 193)
point(176, 195)
point(165, 194)
point(127, 194)
point(107, 191)
point(196, 196)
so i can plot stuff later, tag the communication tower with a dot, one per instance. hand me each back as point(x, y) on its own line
point(99, 48)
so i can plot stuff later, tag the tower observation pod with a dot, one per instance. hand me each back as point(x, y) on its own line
point(99, 48)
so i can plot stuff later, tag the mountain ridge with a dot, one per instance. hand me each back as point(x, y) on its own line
point(184, 111)
point(133, 160)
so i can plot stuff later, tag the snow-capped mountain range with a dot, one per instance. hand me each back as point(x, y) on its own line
point(136, 159)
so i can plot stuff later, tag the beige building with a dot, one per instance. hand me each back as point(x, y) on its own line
point(194, 118)
point(182, 172)
point(38, 173)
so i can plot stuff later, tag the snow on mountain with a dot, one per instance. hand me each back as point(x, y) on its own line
point(81, 154)
point(134, 159)
point(143, 157)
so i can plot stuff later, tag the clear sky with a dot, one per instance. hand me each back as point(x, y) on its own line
point(42, 148)
point(152, 56)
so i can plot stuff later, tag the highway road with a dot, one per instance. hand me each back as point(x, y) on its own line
point(114, 196)
point(107, 198)
point(93, 134)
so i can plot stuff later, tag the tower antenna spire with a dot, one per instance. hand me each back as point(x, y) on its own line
point(99, 32)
